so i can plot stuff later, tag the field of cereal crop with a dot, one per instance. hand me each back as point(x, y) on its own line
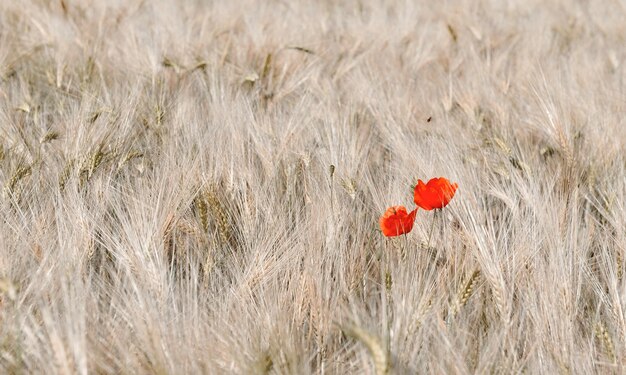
point(195, 187)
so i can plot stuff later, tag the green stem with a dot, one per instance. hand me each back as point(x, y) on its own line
point(405, 248)
point(432, 226)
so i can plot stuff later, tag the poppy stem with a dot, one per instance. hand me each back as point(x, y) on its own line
point(405, 247)
point(386, 292)
point(385, 274)
point(332, 190)
point(432, 226)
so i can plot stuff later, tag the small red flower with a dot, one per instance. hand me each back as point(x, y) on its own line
point(436, 193)
point(396, 221)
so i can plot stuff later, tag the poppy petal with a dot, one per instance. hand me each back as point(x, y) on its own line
point(396, 221)
point(436, 193)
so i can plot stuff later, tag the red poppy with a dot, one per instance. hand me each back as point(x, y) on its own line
point(397, 221)
point(436, 193)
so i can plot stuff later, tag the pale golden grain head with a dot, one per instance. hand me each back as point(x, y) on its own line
point(21, 172)
point(605, 339)
point(468, 290)
point(49, 137)
point(65, 174)
point(218, 213)
point(374, 345)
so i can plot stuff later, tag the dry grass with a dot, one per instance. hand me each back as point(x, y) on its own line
point(194, 187)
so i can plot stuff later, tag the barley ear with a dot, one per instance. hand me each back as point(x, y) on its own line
point(65, 174)
point(469, 288)
point(603, 336)
point(219, 215)
point(202, 208)
point(49, 137)
point(21, 172)
point(130, 155)
point(380, 356)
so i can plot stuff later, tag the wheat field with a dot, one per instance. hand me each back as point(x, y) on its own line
point(194, 187)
